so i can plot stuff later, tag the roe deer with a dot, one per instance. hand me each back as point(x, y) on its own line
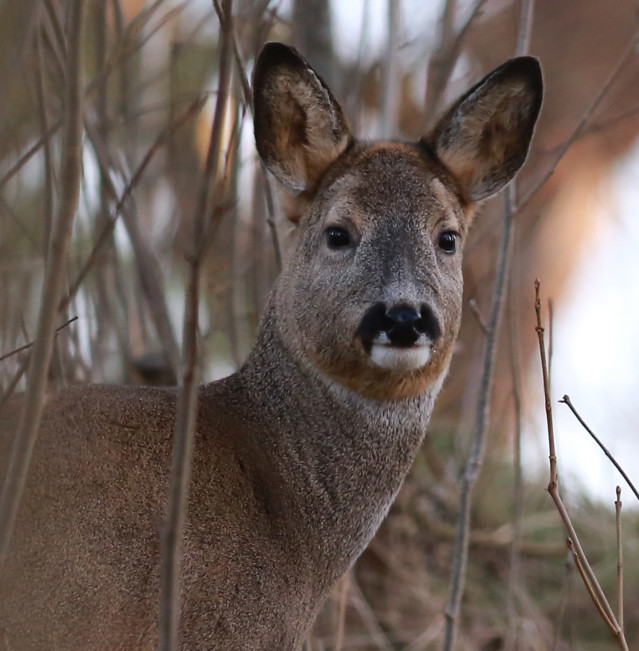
point(299, 455)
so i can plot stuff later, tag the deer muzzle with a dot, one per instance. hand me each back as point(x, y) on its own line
point(399, 337)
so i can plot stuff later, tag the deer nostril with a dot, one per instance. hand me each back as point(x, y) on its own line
point(428, 324)
point(402, 314)
point(401, 322)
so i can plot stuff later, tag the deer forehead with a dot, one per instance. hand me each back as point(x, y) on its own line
point(383, 181)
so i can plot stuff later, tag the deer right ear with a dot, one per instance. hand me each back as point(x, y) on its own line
point(484, 137)
point(299, 126)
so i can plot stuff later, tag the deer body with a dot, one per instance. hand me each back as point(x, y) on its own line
point(299, 455)
point(297, 510)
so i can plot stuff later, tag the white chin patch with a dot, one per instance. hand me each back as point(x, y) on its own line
point(400, 359)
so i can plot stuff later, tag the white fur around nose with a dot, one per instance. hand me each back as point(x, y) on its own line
point(400, 359)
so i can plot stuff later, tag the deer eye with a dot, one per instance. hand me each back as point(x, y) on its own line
point(337, 237)
point(448, 241)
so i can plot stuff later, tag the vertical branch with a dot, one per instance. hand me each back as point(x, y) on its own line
point(525, 26)
point(619, 560)
point(441, 61)
point(353, 111)
point(268, 189)
point(186, 415)
point(391, 87)
point(552, 454)
point(53, 285)
point(341, 623)
point(312, 33)
point(475, 462)
point(46, 148)
point(515, 578)
point(444, 57)
point(574, 545)
point(104, 310)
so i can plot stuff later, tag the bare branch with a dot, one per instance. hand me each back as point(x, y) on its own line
point(186, 415)
point(391, 71)
point(146, 264)
point(581, 560)
point(343, 597)
point(548, 407)
point(589, 587)
point(566, 401)
point(32, 151)
point(482, 417)
point(268, 188)
point(619, 559)
point(188, 114)
point(444, 58)
point(52, 287)
point(474, 308)
point(30, 345)
point(584, 121)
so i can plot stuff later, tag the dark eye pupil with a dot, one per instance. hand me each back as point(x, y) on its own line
point(448, 241)
point(337, 237)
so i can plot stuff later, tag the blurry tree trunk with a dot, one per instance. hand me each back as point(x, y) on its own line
point(313, 36)
point(390, 89)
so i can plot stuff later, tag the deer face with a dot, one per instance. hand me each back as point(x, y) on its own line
point(373, 293)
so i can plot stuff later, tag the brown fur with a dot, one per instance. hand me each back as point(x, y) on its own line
point(299, 455)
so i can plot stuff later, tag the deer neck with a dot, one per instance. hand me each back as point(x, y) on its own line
point(340, 456)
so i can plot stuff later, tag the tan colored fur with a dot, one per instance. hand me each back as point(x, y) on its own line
point(299, 455)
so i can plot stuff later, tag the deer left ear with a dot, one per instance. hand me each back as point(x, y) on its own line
point(484, 137)
point(300, 128)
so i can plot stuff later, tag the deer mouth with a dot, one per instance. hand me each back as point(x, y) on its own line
point(401, 358)
point(399, 338)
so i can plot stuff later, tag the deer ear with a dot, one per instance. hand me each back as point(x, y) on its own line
point(484, 137)
point(299, 126)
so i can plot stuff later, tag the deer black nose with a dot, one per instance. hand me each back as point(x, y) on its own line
point(402, 325)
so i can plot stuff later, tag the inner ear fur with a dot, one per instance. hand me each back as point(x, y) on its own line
point(300, 129)
point(484, 138)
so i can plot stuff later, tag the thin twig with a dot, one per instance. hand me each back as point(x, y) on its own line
point(8, 392)
point(377, 636)
point(474, 308)
point(619, 559)
point(30, 345)
point(268, 188)
point(581, 560)
point(147, 267)
point(188, 114)
point(52, 288)
point(566, 401)
point(539, 329)
point(341, 622)
point(30, 153)
point(551, 341)
point(589, 586)
point(583, 122)
point(186, 413)
point(515, 579)
point(445, 56)
point(41, 92)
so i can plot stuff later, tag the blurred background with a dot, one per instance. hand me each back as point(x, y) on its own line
point(150, 79)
